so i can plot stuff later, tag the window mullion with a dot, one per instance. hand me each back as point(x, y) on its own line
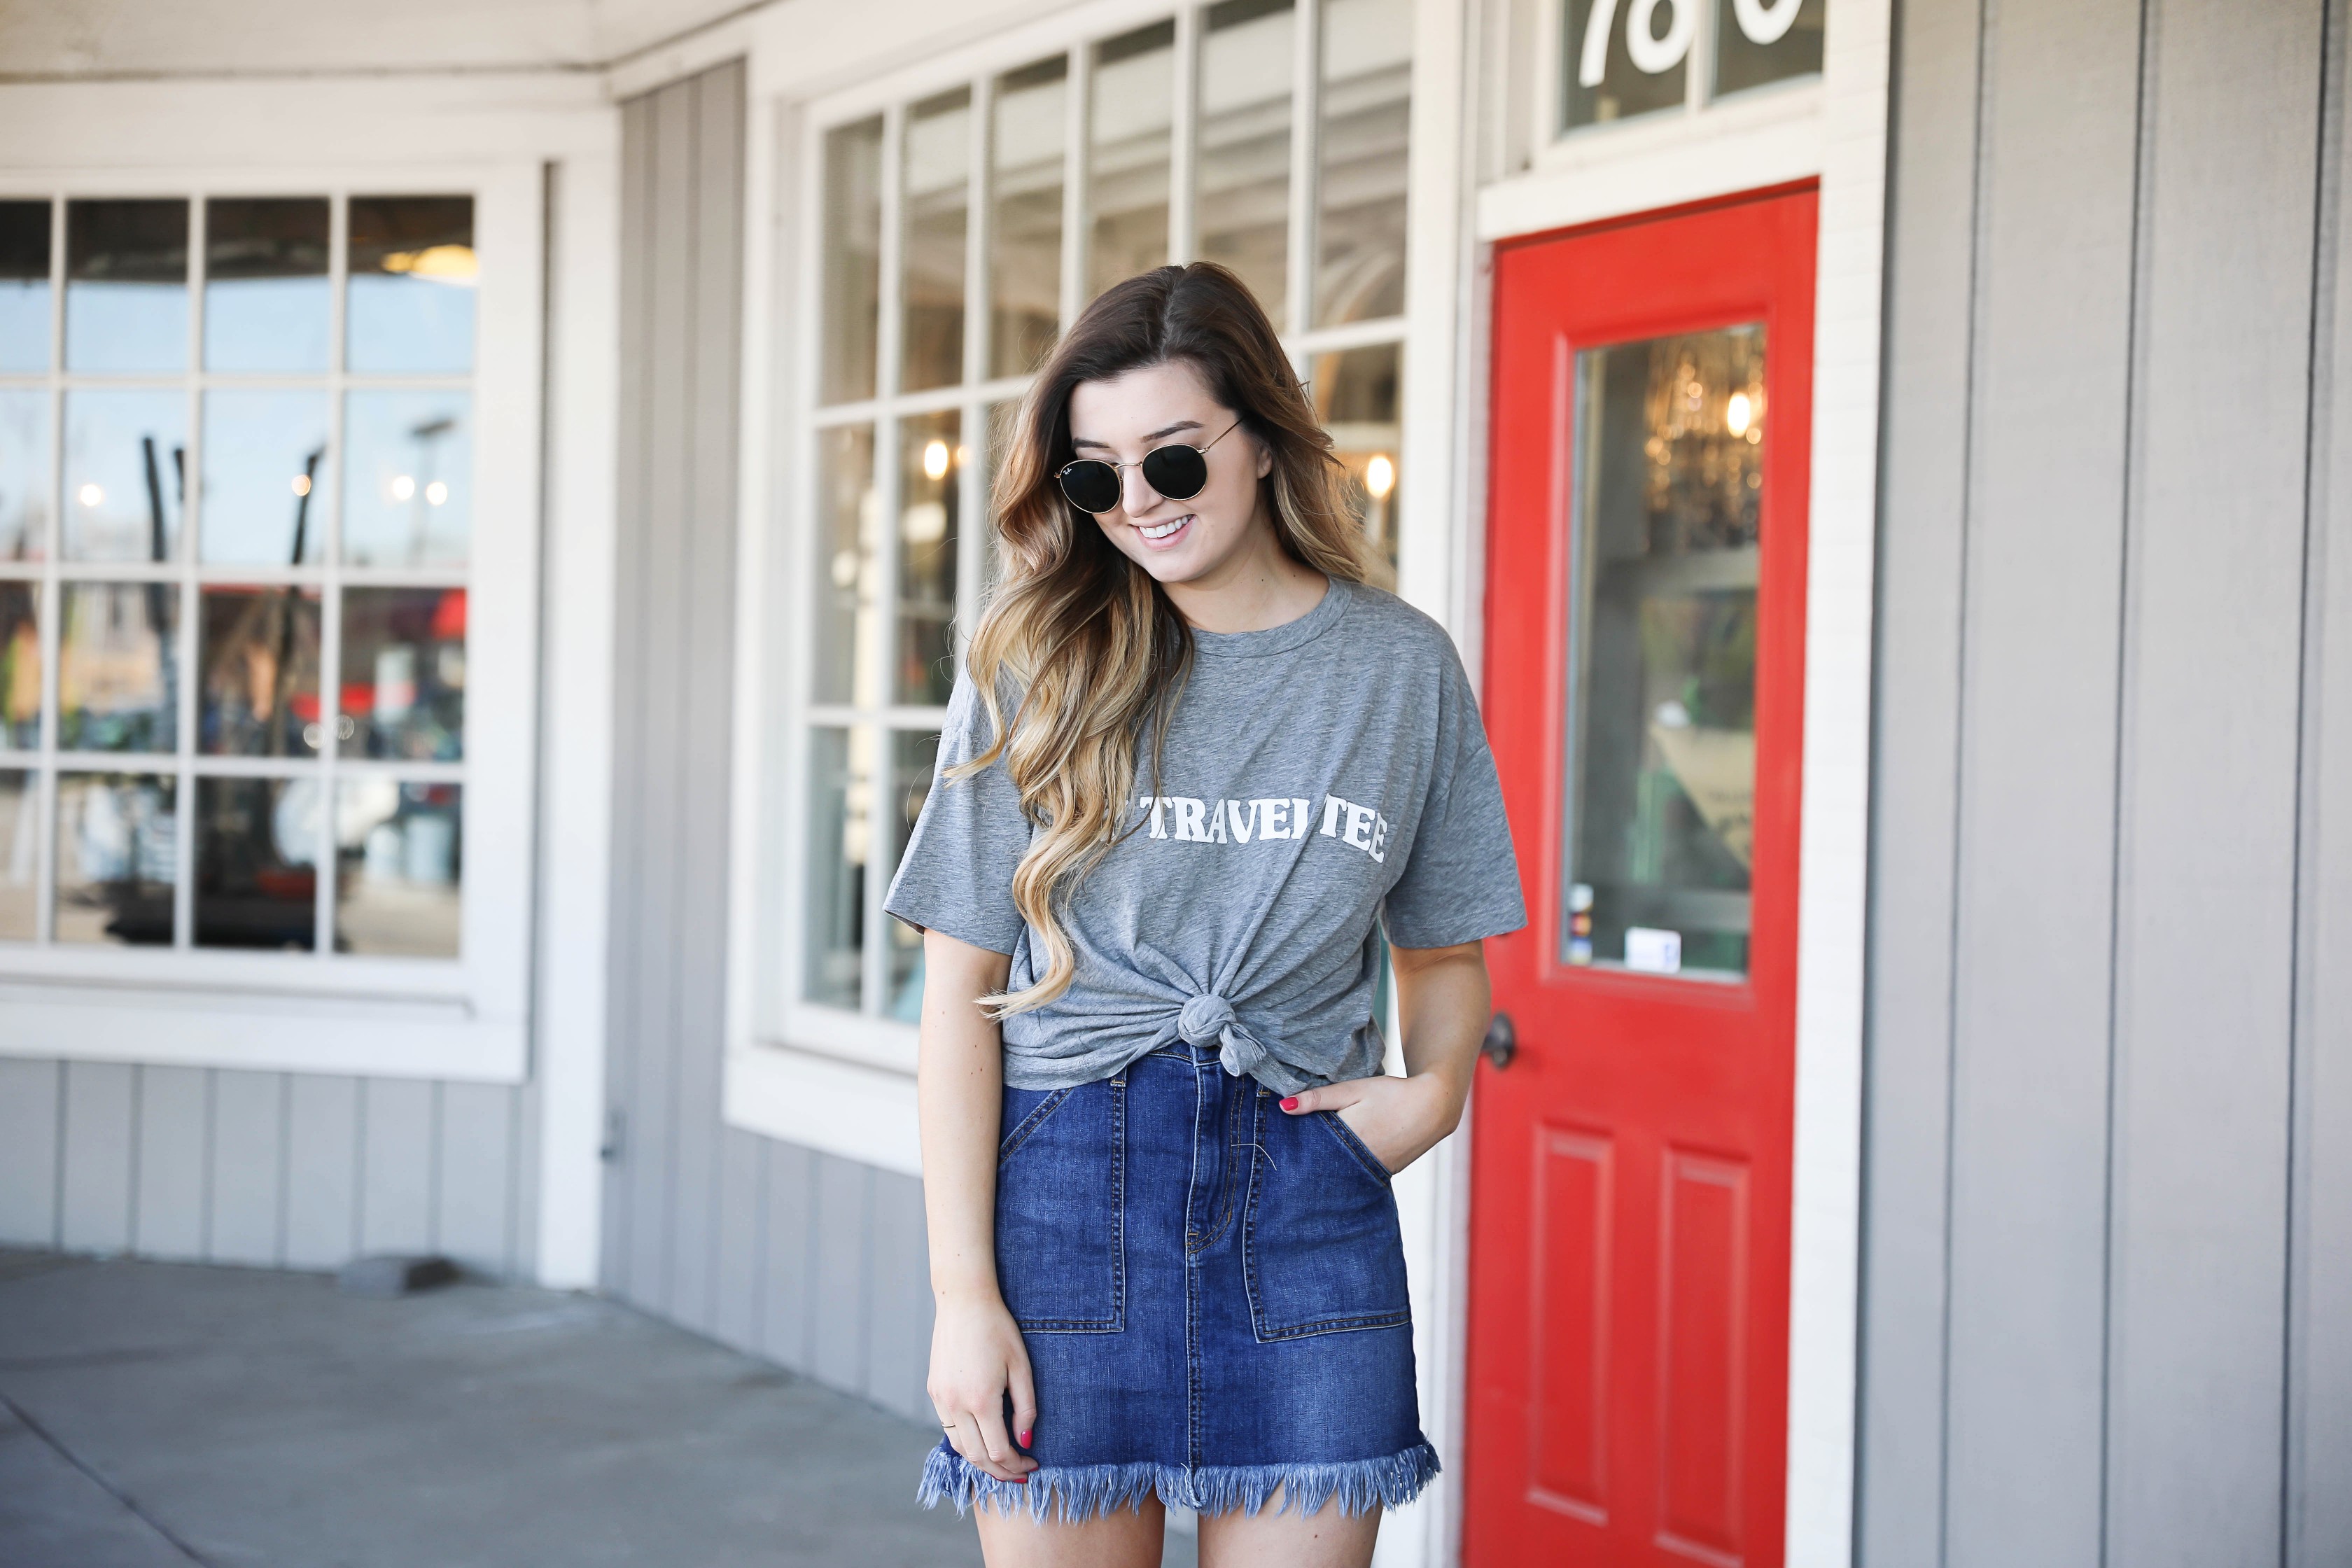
point(889, 338)
point(331, 587)
point(980, 223)
point(1076, 106)
point(1305, 113)
point(192, 521)
point(52, 593)
point(1698, 71)
point(1183, 235)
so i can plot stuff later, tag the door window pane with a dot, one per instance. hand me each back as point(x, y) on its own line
point(399, 867)
point(403, 678)
point(127, 285)
point(20, 855)
point(264, 461)
point(266, 283)
point(408, 482)
point(1243, 199)
point(1356, 398)
point(24, 286)
point(1366, 108)
point(260, 662)
point(1127, 141)
point(117, 858)
point(256, 863)
point(1757, 41)
point(1669, 446)
point(20, 665)
point(1025, 252)
point(126, 474)
point(938, 208)
point(1623, 58)
point(914, 757)
point(930, 454)
point(849, 523)
point(24, 473)
point(840, 789)
point(853, 259)
point(410, 306)
point(118, 667)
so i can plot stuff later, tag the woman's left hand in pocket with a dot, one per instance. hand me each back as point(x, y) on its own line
point(1399, 1119)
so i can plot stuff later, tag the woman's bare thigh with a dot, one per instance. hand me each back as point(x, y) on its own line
point(1270, 1540)
point(1124, 1538)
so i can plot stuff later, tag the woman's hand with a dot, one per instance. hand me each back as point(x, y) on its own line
point(977, 1358)
point(1399, 1119)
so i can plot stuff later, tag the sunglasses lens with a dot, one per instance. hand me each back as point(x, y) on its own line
point(1091, 486)
point(1178, 473)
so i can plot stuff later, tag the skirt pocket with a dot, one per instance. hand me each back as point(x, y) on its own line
point(1320, 1245)
point(1061, 1205)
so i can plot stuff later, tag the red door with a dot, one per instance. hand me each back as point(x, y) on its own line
point(1628, 1371)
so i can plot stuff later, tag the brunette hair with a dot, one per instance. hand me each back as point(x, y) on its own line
point(1088, 641)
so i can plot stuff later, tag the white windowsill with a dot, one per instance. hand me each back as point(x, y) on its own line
point(856, 1111)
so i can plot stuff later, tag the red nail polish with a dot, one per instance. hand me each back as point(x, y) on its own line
point(1021, 1480)
point(1290, 1102)
point(1022, 1438)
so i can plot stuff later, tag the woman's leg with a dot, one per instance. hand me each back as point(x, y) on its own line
point(1123, 1538)
point(1270, 1540)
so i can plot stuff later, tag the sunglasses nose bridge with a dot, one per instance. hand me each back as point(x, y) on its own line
point(1136, 495)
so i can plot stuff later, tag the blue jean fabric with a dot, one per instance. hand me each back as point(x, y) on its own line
point(1212, 1293)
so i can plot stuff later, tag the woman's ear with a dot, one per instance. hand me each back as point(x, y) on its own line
point(1264, 454)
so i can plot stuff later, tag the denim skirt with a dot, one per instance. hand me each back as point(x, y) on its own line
point(1212, 1293)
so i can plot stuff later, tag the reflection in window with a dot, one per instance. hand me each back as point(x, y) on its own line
point(848, 572)
point(20, 856)
point(264, 462)
point(399, 867)
point(20, 665)
point(931, 451)
point(1128, 154)
point(260, 662)
point(1367, 109)
point(24, 286)
point(408, 479)
point(1026, 249)
point(404, 675)
point(1356, 394)
point(24, 473)
point(127, 285)
point(126, 473)
point(1613, 70)
point(853, 259)
point(840, 785)
point(1245, 135)
point(117, 858)
point(118, 667)
point(1758, 41)
point(914, 757)
point(409, 304)
point(266, 283)
point(256, 863)
point(938, 208)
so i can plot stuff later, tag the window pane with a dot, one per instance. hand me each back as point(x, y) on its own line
point(260, 662)
point(1367, 104)
point(117, 858)
point(266, 283)
point(264, 452)
point(410, 307)
point(1026, 249)
point(853, 259)
point(20, 665)
point(1757, 41)
point(256, 863)
point(403, 686)
point(119, 668)
point(840, 785)
point(399, 867)
point(1244, 172)
point(931, 453)
point(1356, 398)
point(24, 473)
point(913, 759)
point(1128, 136)
point(127, 285)
point(23, 286)
point(126, 474)
point(848, 523)
point(19, 855)
point(408, 480)
point(1664, 703)
point(1609, 72)
point(938, 206)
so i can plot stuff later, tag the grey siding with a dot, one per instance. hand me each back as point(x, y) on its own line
point(2104, 1289)
point(812, 1262)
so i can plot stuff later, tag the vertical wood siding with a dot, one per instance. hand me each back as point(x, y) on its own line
point(2107, 1284)
point(810, 1261)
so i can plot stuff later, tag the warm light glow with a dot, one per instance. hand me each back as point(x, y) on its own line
point(301, 484)
point(1736, 412)
point(435, 493)
point(90, 494)
point(441, 263)
point(403, 487)
point(1380, 477)
point(935, 460)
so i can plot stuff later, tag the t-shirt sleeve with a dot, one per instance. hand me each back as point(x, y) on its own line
point(1461, 881)
point(956, 875)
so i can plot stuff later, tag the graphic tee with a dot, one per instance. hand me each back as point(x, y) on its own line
point(1321, 779)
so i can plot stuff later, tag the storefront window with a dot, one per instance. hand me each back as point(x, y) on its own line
point(1624, 59)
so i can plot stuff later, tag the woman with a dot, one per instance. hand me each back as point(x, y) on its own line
point(1194, 764)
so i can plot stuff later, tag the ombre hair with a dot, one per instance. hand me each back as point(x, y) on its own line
point(1088, 643)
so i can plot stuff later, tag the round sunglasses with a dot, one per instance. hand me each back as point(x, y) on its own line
point(1177, 473)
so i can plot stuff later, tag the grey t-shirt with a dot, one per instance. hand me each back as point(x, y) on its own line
point(1319, 777)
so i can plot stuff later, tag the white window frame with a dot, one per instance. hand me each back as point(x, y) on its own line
point(462, 1018)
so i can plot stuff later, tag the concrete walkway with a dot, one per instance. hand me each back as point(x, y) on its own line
point(153, 1416)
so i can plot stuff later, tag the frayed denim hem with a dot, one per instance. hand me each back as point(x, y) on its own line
point(1079, 1492)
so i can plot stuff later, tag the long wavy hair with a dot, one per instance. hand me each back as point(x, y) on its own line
point(1088, 643)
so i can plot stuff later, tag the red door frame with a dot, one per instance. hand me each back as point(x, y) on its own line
point(1725, 1052)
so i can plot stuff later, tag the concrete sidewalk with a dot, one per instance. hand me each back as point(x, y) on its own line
point(153, 1416)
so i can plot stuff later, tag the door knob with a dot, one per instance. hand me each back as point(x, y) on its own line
point(1502, 1042)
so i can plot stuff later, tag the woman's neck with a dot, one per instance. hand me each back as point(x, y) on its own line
point(1257, 587)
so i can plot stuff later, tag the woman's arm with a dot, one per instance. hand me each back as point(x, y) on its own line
point(1442, 1005)
point(977, 1354)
